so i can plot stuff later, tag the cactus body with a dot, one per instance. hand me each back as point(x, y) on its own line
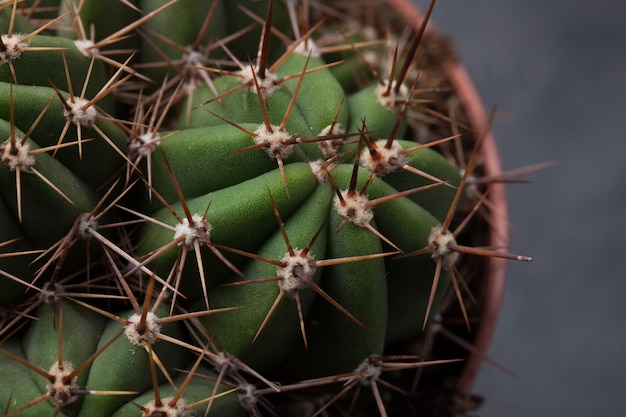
point(266, 219)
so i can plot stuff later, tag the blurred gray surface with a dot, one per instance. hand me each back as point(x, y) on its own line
point(556, 70)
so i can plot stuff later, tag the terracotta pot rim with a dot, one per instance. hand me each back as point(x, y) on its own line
point(497, 267)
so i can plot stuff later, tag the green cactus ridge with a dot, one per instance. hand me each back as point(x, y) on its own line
point(221, 209)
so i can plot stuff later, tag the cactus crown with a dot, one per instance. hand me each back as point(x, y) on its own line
point(185, 229)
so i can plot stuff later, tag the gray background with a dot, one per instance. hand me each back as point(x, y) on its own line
point(556, 70)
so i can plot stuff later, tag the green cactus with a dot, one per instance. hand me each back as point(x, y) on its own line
point(191, 220)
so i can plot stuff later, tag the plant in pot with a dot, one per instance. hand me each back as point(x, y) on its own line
point(235, 208)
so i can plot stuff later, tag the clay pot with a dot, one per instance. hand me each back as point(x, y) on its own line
point(495, 276)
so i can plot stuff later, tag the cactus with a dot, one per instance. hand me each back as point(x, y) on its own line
point(225, 209)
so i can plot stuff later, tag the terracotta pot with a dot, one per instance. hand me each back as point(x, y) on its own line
point(498, 237)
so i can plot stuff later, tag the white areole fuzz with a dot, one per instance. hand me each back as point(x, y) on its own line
point(354, 207)
point(274, 140)
point(80, 112)
point(440, 241)
point(12, 47)
point(86, 224)
point(136, 330)
point(86, 47)
point(386, 160)
point(197, 230)
point(331, 147)
point(266, 85)
point(144, 144)
point(60, 390)
point(296, 274)
point(167, 408)
point(388, 98)
point(17, 155)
